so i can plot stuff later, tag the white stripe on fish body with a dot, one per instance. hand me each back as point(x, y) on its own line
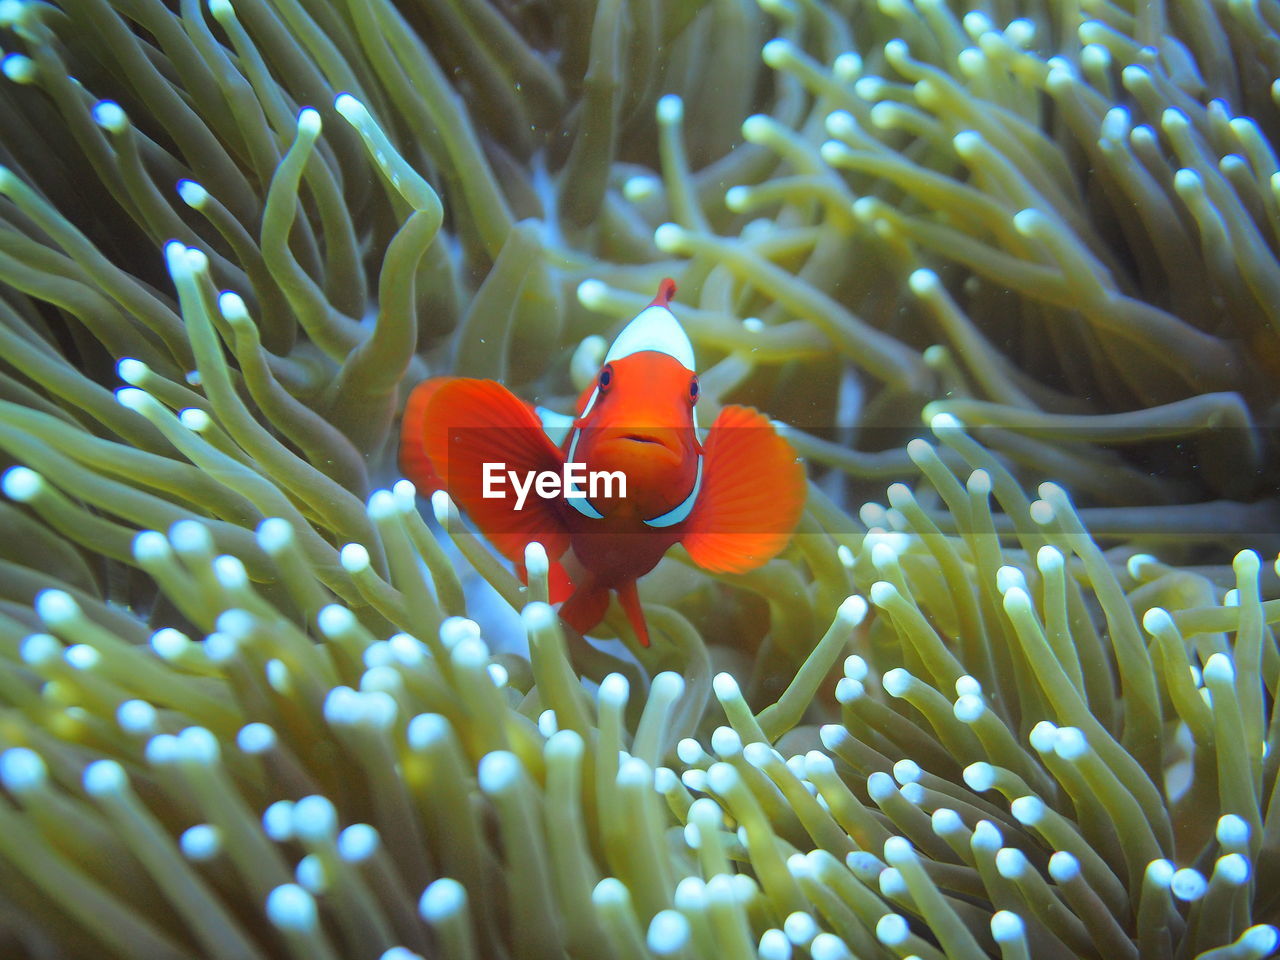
point(581, 504)
point(680, 512)
point(654, 328)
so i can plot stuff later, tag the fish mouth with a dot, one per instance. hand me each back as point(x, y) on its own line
point(644, 444)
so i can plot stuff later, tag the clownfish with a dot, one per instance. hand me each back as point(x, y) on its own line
point(733, 501)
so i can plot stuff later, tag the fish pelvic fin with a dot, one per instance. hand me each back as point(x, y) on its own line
point(559, 586)
point(585, 608)
point(629, 597)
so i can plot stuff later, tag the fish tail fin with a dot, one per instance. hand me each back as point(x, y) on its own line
point(629, 597)
point(585, 608)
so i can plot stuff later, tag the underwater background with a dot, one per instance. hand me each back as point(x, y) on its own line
point(1004, 274)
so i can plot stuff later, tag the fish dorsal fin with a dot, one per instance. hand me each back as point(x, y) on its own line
point(469, 423)
point(752, 495)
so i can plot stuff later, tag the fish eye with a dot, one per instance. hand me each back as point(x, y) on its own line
point(693, 390)
point(606, 377)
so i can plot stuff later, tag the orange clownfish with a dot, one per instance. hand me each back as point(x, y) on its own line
point(733, 501)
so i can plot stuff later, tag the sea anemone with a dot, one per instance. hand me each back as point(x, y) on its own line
point(254, 703)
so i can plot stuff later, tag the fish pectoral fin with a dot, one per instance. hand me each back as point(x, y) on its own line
point(414, 462)
point(629, 597)
point(476, 434)
point(753, 493)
